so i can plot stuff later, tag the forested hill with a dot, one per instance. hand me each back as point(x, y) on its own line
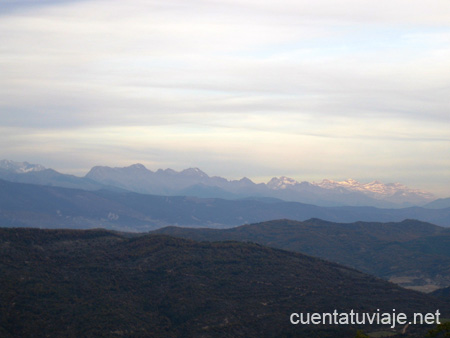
point(95, 283)
point(411, 253)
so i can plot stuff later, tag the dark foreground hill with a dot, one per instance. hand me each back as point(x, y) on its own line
point(28, 205)
point(72, 283)
point(443, 293)
point(411, 253)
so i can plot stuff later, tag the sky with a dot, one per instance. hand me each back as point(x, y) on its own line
point(318, 89)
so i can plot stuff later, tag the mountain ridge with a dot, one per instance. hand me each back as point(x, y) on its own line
point(23, 204)
point(20, 167)
point(195, 182)
point(392, 192)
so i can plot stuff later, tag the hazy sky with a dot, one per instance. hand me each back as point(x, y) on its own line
point(257, 88)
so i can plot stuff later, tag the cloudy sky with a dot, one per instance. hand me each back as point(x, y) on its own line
point(307, 89)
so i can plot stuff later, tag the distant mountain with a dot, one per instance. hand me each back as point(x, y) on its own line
point(96, 283)
point(392, 192)
point(440, 203)
point(195, 182)
point(137, 178)
point(25, 172)
point(54, 207)
point(20, 167)
point(410, 253)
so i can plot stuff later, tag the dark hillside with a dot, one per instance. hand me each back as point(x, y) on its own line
point(443, 294)
point(66, 283)
point(411, 253)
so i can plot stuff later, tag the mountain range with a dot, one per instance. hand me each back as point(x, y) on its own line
point(134, 284)
point(97, 283)
point(31, 205)
point(194, 182)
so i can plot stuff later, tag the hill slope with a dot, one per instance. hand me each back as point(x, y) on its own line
point(67, 283)
point(411, 253)
point(444, 293)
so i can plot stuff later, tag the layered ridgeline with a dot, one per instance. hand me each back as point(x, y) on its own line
point(28, 205)
point(72, 283)
point(410, 253)
point(194, 182)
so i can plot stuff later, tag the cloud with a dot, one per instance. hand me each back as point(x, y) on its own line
point(259, 83)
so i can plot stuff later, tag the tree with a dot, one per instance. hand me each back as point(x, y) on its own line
point(441, 330)
point(360, 334)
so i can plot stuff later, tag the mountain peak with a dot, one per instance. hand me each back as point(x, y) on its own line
point(193, 172)
point(245, 180)
point(350, 184)
point(351, 181)
point(282, 182)
point(137, 166)
point(20, 167)
point(378, 190)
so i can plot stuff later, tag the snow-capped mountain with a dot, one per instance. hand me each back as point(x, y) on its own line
point(20, 167)
point(351, 192)
point(381, 191)
point(376, 188)
point(24, 172)
point(280, 183)
point(195, 182)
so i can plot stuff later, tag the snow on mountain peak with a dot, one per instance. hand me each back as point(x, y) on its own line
point(20, 167)
point(374, 189)
point(281, 183)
